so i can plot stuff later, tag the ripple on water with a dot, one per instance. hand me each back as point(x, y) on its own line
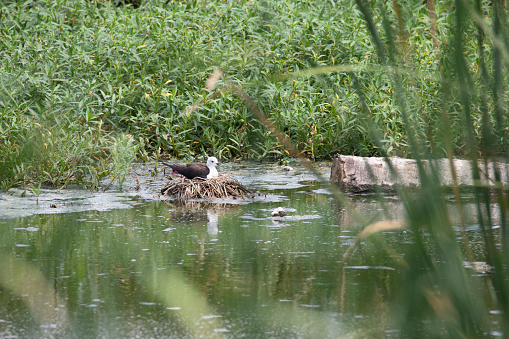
point(371, 268)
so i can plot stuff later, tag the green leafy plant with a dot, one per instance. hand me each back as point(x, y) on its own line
point(37, 191)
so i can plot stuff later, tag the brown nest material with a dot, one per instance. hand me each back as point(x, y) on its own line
point(198, 188)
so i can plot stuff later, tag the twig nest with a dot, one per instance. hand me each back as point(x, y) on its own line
point(198, 188)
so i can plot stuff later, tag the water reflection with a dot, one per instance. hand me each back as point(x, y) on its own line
point(213, 219)
point(165, 269)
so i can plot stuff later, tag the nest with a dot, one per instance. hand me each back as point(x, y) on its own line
point(198, 188)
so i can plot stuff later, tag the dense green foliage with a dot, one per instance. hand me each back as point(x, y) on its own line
point(79, 77)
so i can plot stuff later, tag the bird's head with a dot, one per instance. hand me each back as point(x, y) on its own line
point(212, 162)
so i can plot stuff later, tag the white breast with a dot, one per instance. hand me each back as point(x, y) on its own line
point(213, 173)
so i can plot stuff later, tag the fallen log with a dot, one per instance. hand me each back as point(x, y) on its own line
point(361, 174)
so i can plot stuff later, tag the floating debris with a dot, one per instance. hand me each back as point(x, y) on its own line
point(279, 215)
point(296, 217)
point(279, 212)
point(198, 188)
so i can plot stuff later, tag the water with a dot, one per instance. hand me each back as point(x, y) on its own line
point(134, 265)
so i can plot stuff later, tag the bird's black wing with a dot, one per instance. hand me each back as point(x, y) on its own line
point(190, 171)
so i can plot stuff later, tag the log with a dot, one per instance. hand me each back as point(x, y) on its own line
point(361, 174)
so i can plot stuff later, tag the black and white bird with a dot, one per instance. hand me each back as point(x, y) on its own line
point(191, 171)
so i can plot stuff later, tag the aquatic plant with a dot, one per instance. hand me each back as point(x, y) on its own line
point(122, 156)
point(37, 191)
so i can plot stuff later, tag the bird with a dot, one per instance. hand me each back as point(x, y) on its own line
point(191, 171)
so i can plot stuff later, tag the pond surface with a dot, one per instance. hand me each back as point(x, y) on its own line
point(134, 265)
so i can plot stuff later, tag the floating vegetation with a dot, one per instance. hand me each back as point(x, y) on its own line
point(198, 188)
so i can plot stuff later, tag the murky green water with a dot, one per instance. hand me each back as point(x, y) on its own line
point(130, 265)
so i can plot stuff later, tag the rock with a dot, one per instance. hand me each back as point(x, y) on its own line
point(358, 174)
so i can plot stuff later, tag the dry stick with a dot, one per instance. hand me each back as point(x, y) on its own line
point(433, 22)
point(222, 189)
point(265, 121)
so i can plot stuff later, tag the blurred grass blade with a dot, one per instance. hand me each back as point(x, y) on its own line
point(29, 284)
point(175, 290)
point(380, 226)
